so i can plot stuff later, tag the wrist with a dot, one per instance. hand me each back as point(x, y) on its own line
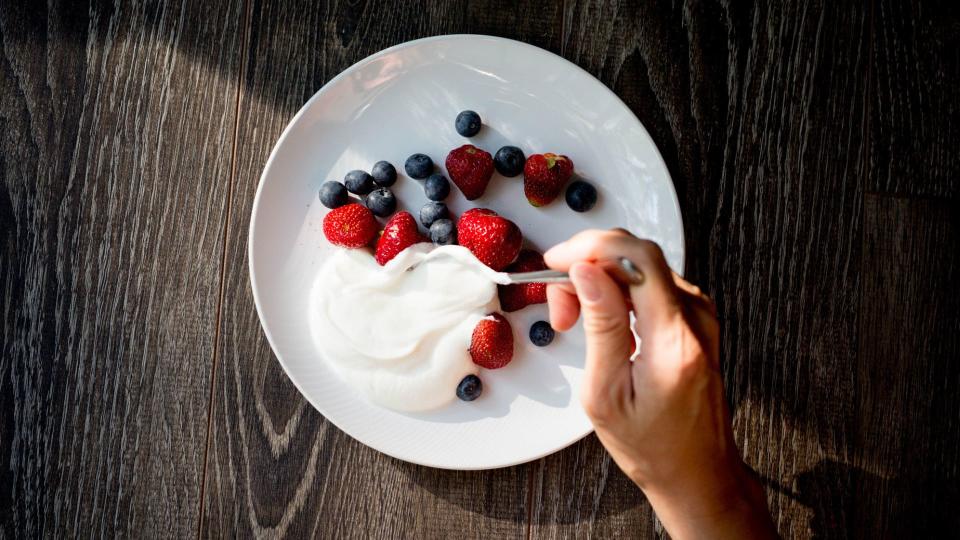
point(718, 502)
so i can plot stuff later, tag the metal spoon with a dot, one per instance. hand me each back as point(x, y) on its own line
point(621, 269)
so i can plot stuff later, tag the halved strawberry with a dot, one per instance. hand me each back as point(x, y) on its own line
point(399, 233)
point(493, 239)
point(492, 343)
point(350, 226)
point(544, 175)
point(514, 297)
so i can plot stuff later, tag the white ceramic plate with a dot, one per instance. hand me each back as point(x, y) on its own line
point(401, 101)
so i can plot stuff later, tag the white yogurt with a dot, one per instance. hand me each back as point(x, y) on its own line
point(400, 333)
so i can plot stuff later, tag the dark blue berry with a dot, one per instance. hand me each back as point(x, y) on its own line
point(443, 232)
point(333, 194)
point(469, 388)
point(383, 173)
point(468, 123)
point(358, 182)
point(418, 166)
point(437, 187)
point(432, 211)
point(541, 333)
point(509, 161)
point(381, 202)
point(581, 196)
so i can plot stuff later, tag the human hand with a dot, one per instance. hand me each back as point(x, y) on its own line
point(663, 418)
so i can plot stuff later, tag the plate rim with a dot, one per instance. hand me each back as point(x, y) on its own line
point(255, 208)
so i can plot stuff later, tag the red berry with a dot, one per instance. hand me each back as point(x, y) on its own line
point(351, 226)
point(492, 343)
point(400, 233)
point(470, 168)
point(544, 175)
point(514, 297)
point(491, 238)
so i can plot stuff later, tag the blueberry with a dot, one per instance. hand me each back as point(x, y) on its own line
point(443, 232)
point(432, 211)
point(581, 196)
point(333, 194)
point(469, 388)
point(509, 161)
point(541, 333)
point(468, 123)
point(418, 166)
point(437, 187)
point(358, 182)
point(383, 173)
point(381, 202)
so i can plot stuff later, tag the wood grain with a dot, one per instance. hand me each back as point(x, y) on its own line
point(897, 474)
point(277, 467)
point(761, 116)
point(915, 110)
point(112, 210)
point(665, 61)
point(903, 477)
point(820, 103)
point(789, 249)
point(813, 147)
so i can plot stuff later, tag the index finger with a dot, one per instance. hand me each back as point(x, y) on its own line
point(655, 301)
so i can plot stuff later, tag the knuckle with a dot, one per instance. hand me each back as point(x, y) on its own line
point(673, 307)
point(604, 323)
point(590, 242)
point(692, 368)
point(653, 251)
point(647, 252)
point(597, 408)
point(712, 325)
point(593, 235)
point(712, 310)
point(610, 240)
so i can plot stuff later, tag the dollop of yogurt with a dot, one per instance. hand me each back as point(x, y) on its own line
point(400, 333)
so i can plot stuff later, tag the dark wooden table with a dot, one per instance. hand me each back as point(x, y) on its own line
point(814, 146)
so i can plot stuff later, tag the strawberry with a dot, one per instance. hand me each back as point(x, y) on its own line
point(514, 297)
point(544, 175)
point(470, 168)
point(351, 225)
point(492, 343)
point(400, 233)
point(491, 238)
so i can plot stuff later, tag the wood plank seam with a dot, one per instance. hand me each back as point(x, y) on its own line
point(244, 48)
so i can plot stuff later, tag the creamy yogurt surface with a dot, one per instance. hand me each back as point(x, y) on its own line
point(400, 333)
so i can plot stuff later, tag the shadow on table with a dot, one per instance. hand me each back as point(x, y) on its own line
point(297, 48)
point(849, 502)
point(486, 493)
point(571, 486)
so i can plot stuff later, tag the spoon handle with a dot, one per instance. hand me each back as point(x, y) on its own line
point(621, 269)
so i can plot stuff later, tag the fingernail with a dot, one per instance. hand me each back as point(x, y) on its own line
point(583, 280)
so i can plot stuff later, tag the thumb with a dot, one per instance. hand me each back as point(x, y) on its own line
point(606, 323)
